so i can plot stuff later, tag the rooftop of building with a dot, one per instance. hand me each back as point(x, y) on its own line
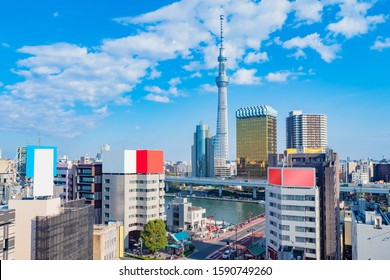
point(365, 212)
point(255, 111)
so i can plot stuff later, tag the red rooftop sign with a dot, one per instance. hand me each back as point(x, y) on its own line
point(292, 177)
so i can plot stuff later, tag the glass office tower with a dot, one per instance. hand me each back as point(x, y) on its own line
point(255, 140)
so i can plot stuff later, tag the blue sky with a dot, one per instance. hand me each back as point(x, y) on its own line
point(140, 74)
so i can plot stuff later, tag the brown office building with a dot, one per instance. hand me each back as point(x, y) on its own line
point(327, 178)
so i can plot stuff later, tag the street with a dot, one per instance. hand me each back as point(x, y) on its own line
point(214, 249)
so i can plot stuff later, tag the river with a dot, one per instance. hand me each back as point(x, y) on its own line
point(224, 210)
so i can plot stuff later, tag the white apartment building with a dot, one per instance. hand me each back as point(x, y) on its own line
point(133, 189)
point(292, 214)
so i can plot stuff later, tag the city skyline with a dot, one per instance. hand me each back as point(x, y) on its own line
point(80, 75)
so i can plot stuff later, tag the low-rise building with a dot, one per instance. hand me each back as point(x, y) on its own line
point(370, 232)
point(7, 234)
point(181, 215)
point(108, 241)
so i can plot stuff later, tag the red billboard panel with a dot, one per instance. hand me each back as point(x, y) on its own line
point(275, 176)
point(299, 177)
point(149, 161)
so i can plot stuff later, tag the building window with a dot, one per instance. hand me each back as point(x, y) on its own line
point(107, 181)
point(299, 239)
point(284, 227)
point(107, 206)
point(284, 237)
point(107, 189)
point(107, 197)
point(106, 215)
point(5, 248)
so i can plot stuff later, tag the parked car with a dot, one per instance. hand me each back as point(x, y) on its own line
point(226, 254)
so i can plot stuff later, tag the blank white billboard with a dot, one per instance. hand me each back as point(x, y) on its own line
point(130, 161)
point(123, 161)
point(43, 172)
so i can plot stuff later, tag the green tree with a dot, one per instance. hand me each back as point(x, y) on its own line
point(154, 235)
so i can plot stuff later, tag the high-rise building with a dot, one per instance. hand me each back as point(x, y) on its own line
point(327, 180)
point(7, 234)
point(87, 179)
point(256, 140)
point(133, 189)
point(202, 152)
point(306, 131)
point(292, 214)
point(221, 149)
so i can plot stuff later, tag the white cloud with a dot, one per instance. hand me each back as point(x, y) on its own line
point(245, 77)
point(209, 88)
point(123, 100)
point(174, 81)
point(192, 27)
point(278, 77)
point(196, 75)
point(256, 57)
point(309, 11)
point(354, 19)
point(154, 89)
point(172, 90)
point(313, 41)
point(69, 85)
point(380, 44)
point(154, 73)
point(55, 14)
point(102, 110)
point(157, 98)
point(5, 45)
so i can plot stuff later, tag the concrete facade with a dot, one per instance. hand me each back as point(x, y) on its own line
point(108, 241)
point(327, 179)
point(292, 222)
point(133, 198)
point(26, 210)
point(370, 232)
point(181, 215)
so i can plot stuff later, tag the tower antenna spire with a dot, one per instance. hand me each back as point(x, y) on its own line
point(221, 17)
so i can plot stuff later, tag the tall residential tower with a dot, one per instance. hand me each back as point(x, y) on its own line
point(221, 137)
point(306, 131)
